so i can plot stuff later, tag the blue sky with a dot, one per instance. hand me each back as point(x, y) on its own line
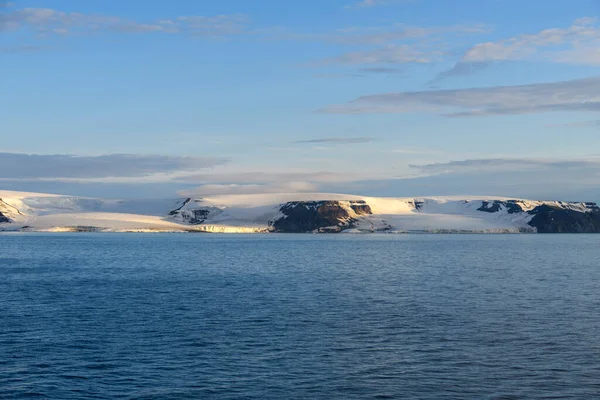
point(376, 97)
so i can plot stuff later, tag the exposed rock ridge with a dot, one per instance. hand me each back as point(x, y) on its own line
point(550, 218)
point(511, 206)
point(297, 213)
point(325, 216)
point(193, 216)
point(183, 204)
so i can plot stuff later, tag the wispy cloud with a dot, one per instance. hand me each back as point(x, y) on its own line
point(17, 49)
point(406, 150)
point(383, 35)
point(57, 167)
point(51, 22)
point(338, 75)
point(218, 190)
point(375, 3)
point(396, 44)
point(351, 140)
point(391, 54)
point(497, 164)
point(262, 178)
point(577, 44)
point(367, 3)
point(381, 70)
point(578, 124)
point(575, 95)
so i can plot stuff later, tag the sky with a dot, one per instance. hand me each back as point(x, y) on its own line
point(148, 98)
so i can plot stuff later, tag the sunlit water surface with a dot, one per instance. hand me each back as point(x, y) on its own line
point(192, 316)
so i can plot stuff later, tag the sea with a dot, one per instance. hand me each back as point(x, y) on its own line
point(202, 316)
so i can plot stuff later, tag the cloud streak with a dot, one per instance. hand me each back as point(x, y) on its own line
point(262, 178)
point(19, 49)
point(56, 167)
point(579, 124)
point(367, 4)
point(391, 54)
point(51, 22)
point(381, 70)
point(398, 44)
point(218, 190)
point(497, 164)
point(375, 3)
point(577, 44)
point(353, 140)
point(574, 95)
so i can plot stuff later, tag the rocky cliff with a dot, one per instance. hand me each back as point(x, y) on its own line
point(195, 216)
point(319, 216)
point(296, 213)
point(548, 219)
point(333, 216)
point(551, 217)
point(540, 217)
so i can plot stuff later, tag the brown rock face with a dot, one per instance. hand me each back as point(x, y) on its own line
point(320, 216)
point(331, 211)
point(361, 208)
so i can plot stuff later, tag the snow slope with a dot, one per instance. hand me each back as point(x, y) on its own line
point(257, 213)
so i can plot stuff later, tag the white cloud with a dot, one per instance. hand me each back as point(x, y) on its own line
point(498, 164)
point(580, 54)
point(114, 167)
point(383, 35)
point(48, 21)
point(577, 44)
point(216, 189)
point(374, 3)
point(405, 150)
point(262, 178)
point(370, 3)
point(381, 70)
point(391, 54)
point(397, 44)
point(24, 48)
point(339, 140)
point(578, 124)
point(575, 95)
point(526, 45)
point(542, 179)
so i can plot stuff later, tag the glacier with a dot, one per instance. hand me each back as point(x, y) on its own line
point(295, 213)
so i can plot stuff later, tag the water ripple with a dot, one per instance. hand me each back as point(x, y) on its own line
point(110, 316)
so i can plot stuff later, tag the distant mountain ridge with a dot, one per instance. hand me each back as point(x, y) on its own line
point(296, 213)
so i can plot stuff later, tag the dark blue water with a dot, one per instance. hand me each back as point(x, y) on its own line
point(144, 316)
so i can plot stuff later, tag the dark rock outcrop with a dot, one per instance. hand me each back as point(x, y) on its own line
point(177, 210)
point(553, 217)
point(191, 217)
point(196, 217)
point(417, 205)
point(361, 207)
point(549, 219)
point(333, 216)
point(319, 216)
point(512, 206)
point(3, 219)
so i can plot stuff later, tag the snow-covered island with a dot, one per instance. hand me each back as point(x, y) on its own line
point(295, 213)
